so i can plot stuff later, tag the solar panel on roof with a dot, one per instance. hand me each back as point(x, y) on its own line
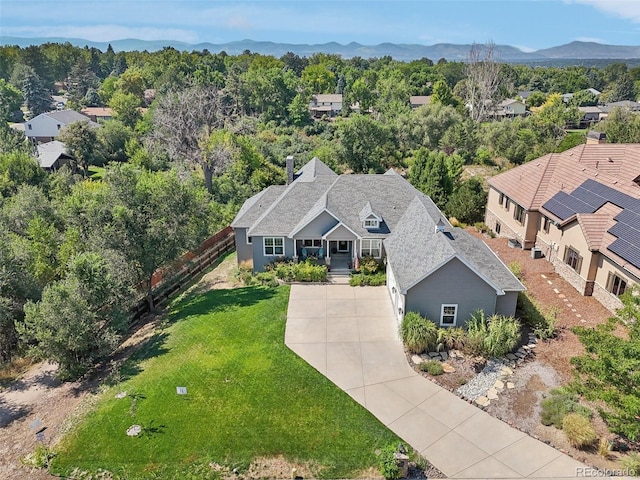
point(631, 253)
point(594, 201)
point(628, 216)
point(557, 208)
point(622, 230)
point(592, 195)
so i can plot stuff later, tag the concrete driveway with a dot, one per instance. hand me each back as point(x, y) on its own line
point(350, 336)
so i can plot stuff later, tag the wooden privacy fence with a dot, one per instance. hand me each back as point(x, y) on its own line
point(169, 280)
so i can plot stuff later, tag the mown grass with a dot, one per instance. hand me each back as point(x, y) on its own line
point(248, 395)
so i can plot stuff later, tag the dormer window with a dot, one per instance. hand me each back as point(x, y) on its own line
point(371, 223)
point(370, 219)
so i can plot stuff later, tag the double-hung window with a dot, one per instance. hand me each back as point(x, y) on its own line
point(372, 247)
point(448, 314)
point(273, 246)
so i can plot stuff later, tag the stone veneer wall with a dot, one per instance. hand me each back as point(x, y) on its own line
point(570, 275)
point(505, 231)
point(610, 301)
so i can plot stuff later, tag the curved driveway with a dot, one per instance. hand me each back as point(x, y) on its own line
point(349, 335)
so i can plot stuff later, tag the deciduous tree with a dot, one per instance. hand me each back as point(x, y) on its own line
point(79, 318)
point(81, 140)
point(483, 81)
point(182, 123)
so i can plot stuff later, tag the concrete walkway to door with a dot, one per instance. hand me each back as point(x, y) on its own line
point(350, 335)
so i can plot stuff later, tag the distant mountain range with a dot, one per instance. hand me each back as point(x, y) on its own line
point(452, 52)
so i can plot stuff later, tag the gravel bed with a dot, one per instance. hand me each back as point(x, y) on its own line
point(483, 381)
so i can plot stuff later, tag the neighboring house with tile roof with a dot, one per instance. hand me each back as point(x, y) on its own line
point(98, 114)
point(46, 126)
point(417, 101)
point(442, 272)
point(329, 104)
point(581, 210)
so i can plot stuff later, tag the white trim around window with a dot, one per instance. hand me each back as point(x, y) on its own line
point(371, 223)
point(371, 246)
point(249, 239)
point(273, 246)
point(448, 314)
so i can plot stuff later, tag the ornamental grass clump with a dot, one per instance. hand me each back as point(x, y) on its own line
point(418, 334)
point(494, 336)
point(579, 431)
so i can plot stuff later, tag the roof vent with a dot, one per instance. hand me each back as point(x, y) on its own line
point(440, 226)
point(609, 159)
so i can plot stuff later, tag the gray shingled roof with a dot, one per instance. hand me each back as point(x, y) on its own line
point(415, 249)
point(312, 169)
point(70, 116)
point(388, 195)
point(50, 152)
point(255, 206)
point(291, 206)
point(484, 260)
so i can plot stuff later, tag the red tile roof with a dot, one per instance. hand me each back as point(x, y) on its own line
point(532, 184)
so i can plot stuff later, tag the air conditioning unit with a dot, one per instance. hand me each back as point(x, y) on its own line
point(536, 253)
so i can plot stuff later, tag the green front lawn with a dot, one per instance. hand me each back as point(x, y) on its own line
point(247, 396)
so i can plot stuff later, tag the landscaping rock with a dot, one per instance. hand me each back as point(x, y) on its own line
point(447, 368)
point(444, 355)
point(511, 356)
point(417, 359)
point(506, 371)
point(483, 401)
point(134, 430)
point(434, 354)
point(121, 395)
point(492, 394)
point(510, 385)
point(499, 385)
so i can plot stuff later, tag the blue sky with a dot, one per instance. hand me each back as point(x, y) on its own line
point(527, 24)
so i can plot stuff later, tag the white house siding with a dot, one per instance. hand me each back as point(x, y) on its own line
point(396, 297)
point(43, 127)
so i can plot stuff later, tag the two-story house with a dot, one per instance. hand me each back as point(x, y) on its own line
point(581, 210)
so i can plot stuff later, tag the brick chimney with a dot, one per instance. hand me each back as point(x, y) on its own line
point(594, 137)
point(289, 166)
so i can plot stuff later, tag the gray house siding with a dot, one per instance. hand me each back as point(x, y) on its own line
point(454, 283)
point(318, 226)
point(260, 259)
point(506, 304)
point(244, 251)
